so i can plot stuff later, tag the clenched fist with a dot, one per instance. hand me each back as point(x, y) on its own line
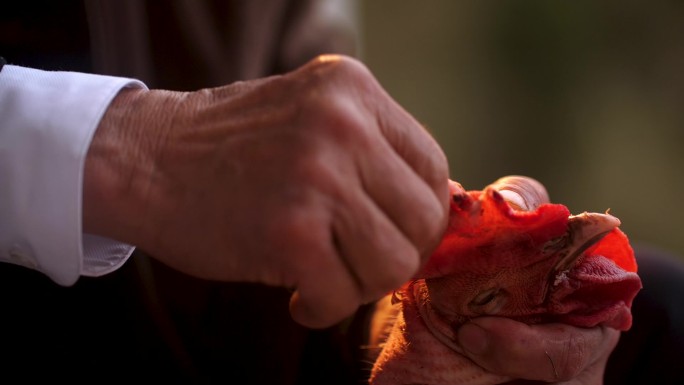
point(315, 180)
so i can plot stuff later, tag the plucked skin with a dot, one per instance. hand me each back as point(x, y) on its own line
point(537, 265)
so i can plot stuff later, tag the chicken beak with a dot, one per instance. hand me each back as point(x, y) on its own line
point(584, 230)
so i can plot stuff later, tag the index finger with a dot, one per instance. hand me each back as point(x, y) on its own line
point(409, 139)
point(548, 352)
point(415, 145)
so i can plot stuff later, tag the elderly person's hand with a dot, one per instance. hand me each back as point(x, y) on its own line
point(506, 349)
point(519, 289)
point(315, 180)
point(554, 353)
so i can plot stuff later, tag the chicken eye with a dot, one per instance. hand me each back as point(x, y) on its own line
point(485, 297)
point(489, 301)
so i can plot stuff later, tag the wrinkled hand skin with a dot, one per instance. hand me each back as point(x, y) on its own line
point(315, 180)
point(547, 288)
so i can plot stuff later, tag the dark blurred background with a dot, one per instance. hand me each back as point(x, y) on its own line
point(585, 96)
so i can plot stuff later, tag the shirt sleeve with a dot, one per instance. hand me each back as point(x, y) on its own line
point(47, 120)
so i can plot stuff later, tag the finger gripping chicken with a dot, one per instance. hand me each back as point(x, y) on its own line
point(507, 252)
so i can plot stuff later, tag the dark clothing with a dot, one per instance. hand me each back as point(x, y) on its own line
point(148, 322)
point(178, 45)
point(652, 351)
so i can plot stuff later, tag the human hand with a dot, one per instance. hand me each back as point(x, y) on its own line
point(430, 332)
point(507, 351)
point(315, 180)
point(553, 353)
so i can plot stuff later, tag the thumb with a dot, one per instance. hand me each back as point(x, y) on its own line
point(549, 352)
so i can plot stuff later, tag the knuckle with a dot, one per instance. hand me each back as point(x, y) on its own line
point(332, 86)
point(297, 230)
point(333, 118)
point(343, 125)
point(333, 69)
point(318, 180)
point(334, 65)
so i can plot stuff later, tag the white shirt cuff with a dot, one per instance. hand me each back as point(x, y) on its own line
point(47, 120)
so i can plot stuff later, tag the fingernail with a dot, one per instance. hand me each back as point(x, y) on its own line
point(473, 338)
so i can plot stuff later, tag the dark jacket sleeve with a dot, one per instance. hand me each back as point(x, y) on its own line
point(190, 44)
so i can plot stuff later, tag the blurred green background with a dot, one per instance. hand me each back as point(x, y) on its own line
point(587, 97)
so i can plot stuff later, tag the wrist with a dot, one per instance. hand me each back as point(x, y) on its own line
point(119, 167)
